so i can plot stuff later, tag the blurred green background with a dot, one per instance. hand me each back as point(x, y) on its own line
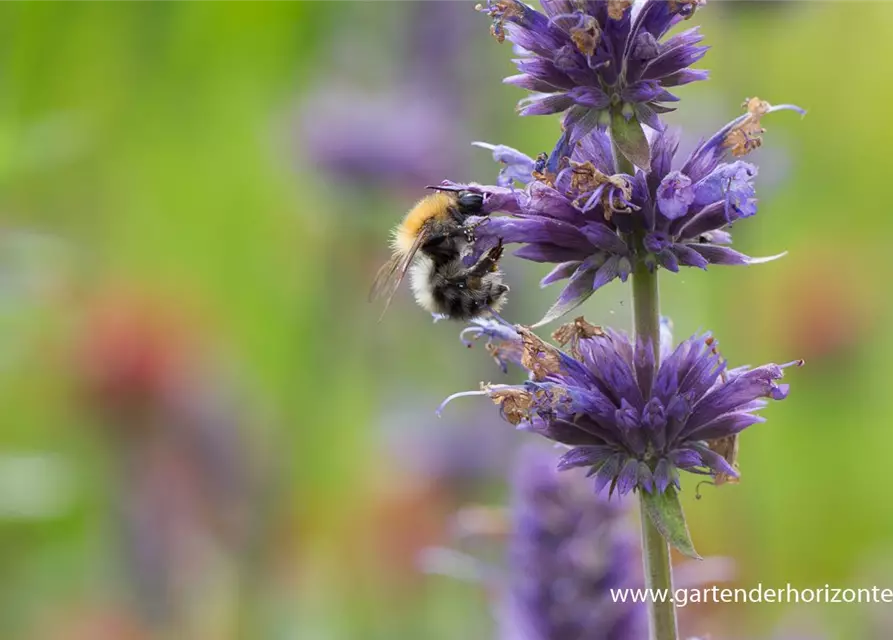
point(205, 433)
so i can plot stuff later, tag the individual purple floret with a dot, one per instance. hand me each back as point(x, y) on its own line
point(600, 62)
point(567, 551)
point(594, 223)
point(631, 424)
point(501, 341)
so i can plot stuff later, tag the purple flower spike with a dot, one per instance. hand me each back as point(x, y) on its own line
point(634, 426)
point(598, 60)
point(567, 552)
point(577, 212)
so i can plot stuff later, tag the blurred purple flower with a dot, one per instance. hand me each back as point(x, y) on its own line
point(464, 454)
point(576, 211)
point(599, 61)
point(403, 137)
point(408, 131)
point(632, 424)
point(568, 549)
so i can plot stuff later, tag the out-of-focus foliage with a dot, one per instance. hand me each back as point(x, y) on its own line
point(197, 400)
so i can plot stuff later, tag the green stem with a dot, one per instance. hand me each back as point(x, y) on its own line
point(646, 304)
point(655, 550)
point(658, 577)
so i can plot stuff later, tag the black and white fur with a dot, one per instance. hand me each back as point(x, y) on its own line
point(446, 287)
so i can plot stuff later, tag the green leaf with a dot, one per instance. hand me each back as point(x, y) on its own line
point(665, 513)
point(629, 137)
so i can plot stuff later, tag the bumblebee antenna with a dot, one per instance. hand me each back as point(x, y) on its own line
point(443, 188)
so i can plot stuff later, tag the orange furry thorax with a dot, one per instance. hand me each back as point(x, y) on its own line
point(435, 205)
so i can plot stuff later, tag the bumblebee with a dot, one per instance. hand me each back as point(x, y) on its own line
point(431, 242)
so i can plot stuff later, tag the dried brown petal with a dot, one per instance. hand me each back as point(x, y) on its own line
point(547, 179)
point(756, 107)
point(727, 447)
point(586, 36)
point(537, 356)
point(746, 136)
point(500, 12)
point(585, 177)
point(616, 8)
point(514, 403)
point(540, 173)
point(572, 332)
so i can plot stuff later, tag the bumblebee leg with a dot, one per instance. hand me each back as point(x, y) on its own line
point(434, 242)
point(487, 262)
point(469, 227)
point(441, 236)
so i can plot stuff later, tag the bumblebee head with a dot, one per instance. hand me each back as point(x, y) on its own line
point(468, 203)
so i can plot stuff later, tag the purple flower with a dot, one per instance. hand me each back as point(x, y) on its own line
point(674, 195)
point(403, 133)
point(577, 212)
point(601, 62)
point(634, 425)
point(517, 166)
point(568, 549)
point(401, 138)
point(501, 341)
point(462, 456)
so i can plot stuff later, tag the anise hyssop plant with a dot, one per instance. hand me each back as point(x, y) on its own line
point(614, 200)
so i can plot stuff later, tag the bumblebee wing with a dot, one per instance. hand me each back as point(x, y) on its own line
point(385, 277)
point(391, 274)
